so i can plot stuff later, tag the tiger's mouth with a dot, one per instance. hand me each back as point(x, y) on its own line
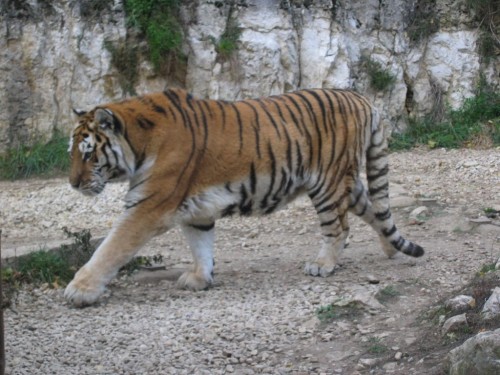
point(91, 189)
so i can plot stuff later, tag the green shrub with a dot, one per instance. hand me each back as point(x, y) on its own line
point(423, 21)
point(380, 78)
point(124, 57)
point(41, 159)
point(487, 16)
point(44, 267)
point(158, 20)
point(476, 123)
point(227, 43)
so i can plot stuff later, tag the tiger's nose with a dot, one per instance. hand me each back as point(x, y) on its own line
point(74, 182)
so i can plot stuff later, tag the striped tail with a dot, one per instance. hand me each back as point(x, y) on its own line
point(374, 207)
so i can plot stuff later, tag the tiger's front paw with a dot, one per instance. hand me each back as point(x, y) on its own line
point(193, 281)
point(83, 290)
point(317, 269)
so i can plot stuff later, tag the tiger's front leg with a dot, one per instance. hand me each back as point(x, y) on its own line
point(200, 237)
point(133, 230)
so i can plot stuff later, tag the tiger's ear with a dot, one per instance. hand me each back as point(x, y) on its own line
point(79, 112)
point(106, 120)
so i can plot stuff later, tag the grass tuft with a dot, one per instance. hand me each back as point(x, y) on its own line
point(387, 293)
point(41, 159)
point(380, 78)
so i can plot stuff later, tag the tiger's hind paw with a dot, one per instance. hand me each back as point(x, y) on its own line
point(315, 269)
point(193, 281)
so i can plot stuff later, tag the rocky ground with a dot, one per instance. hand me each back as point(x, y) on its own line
point(263, 314)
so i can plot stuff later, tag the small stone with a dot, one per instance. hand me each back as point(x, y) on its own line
point(419, 211)
point(491, 308)
point(461, 303)
point(481, 220)
point(372, 279)
point(368, 361)
point(398, 356)
point(470, 163)
point(390, 367)
point(454, 323)
point(402, 201)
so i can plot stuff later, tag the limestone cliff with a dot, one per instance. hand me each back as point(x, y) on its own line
point(53, 55)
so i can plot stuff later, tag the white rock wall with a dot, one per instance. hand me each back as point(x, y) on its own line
point(54, 59)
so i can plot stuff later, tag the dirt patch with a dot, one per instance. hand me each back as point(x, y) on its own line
point(262, 314)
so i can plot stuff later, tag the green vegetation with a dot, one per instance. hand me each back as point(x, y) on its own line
point(332, 311)
point(44, 267)
point(380, 78)
point(227, 43)
point(326, 313)
point(491, 212)
point(58, 266)
point(158, 21)
point(52, 267)
point(41, 159)
point(477, 123)
point(387, 293)
point(489, 267)
point(141, 261)
point(376, 346)
point(124, 57)
point(92, 9)
point(487, 15)
point(423, 21)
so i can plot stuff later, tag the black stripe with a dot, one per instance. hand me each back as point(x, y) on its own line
point(380, 173)
point(174, 99)
point(356, 198)
point(290, 112)
point(300, 166)
point(203, 227)
point(363, 210)
point(327, 208)
point(240, 125)
point(321, 106)
point(329, 222)
point(145, 123)
point(228, 211)
point(383, 215)
point(310, 111)
point(223, 111)
point(374, 191)
point(308, 134)
point(207, 108)
point(389, 232)
point(263, 203)
point(253, 179)
point(139, 183)
point(139, 201)
point(284, 179)
point(256, 127)
point(270, 117)
point(244, 206)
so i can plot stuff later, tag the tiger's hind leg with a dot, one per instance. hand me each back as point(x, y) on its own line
point(335, 230)
point(200, 238)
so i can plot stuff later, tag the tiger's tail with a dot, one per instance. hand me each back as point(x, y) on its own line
point(373, 206)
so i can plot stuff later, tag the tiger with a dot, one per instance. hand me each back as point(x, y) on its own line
point(191, 161)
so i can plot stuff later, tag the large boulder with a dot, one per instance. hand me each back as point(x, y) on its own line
point(479, 355)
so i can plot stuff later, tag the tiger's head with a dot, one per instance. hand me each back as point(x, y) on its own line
point(96, 151)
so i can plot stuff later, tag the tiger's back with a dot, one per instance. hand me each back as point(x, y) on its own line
point(192, 161)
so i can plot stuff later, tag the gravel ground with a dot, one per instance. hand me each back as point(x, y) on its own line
point(261, 316)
